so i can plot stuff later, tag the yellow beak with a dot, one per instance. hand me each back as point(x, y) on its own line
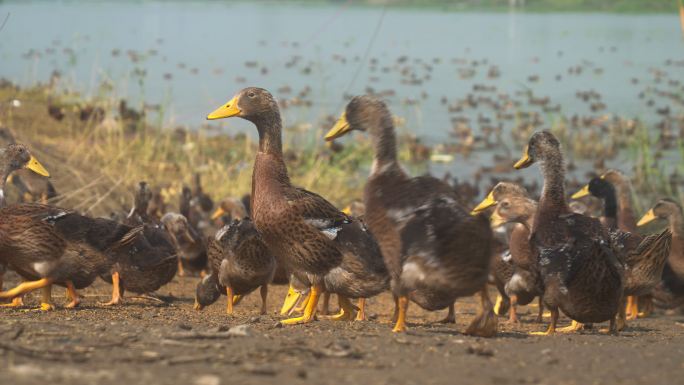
point(228, 110)
point(488, 202)
point(347, 210)
point(584, 191)
point(35, 166)
point(496, 220)
point(290, 301)
point(525, 161)
point(340, 128)
point(648, 217)
point(217, 214)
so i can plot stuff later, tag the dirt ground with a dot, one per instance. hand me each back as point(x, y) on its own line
point(154, 343)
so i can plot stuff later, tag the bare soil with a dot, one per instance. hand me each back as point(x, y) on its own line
point(148, 342)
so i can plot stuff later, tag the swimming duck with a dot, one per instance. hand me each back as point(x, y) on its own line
point(240, 263)
point(581, 273)
point(435, 252)
point(306, 233)
point(643, 257)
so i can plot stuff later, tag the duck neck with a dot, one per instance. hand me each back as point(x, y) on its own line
point(676, 221)
point(384, 145)
point(269, 126)
point(5, 172)
point(624, 202)
point(610, 206)
point(552, 199)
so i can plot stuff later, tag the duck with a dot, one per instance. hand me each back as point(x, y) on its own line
point(516, 272)
point(49, 245)
point(644, 257)
point(434, 250)
point(627, 221)
point(305, 232)
point(189, 245)
point(672, 285)
point(582, 274)
point(240, 263)
point(32, 187)
point(228, 209)
point(146, 259)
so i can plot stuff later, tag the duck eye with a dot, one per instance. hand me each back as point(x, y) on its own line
point(251, 95)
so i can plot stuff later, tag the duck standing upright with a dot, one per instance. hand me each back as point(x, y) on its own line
point(434, 250)
point(581, 273)
point(304, 231)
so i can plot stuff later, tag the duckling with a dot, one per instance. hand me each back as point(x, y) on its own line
point(435, 252)
point(240, 263)
point(306, 233)
point(191, 248)
point(581, 273)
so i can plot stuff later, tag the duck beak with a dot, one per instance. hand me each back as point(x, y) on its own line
point(35, 166)
point(347, 210)
point(290, 301)
point(188, 237)
point(525, 161)
point(496, 220)
point(217, 214)
point(584, 191)
point(340, 128)
point(648, 217)
point(488, 202)
point(227, 110)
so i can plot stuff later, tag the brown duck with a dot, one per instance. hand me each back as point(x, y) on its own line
point(434, 250)
point(581, 273)
point(240, 263)
point(306, 233)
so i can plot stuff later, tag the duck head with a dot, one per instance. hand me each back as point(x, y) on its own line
point(249, 104)
point(664, 209)
point(542, 146)
point(363, 113)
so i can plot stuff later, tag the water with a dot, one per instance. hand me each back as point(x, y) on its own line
point(203, 46)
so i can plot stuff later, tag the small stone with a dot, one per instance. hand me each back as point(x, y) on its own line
point(277, 325)
point(222, 328)
point(264, 370)
point(208, 379)
point(150, 354)
point(254, 319)
point(239, 331)
point(301, 373)
point(184, 326)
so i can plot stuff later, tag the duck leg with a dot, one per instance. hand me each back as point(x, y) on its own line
point(16, 301)
point(325, 307)
point(73, 295)
point(632, 308)
point(400, 310)
point(116, 290)
point(290, 301)
point(46, 299)
point(574, 326)
point(181, 271)
point(646, 304)
point(26, 287)
point(621, 316)
point(502, 304)
point(361, 315)
point(485, 324)
point(512, 312)
point(540, 314)
point(302, 305)
point(264, 295)
point(231, 298)
point(347, 310)
point(310, 310)
point(552, 326)
point(451, 316)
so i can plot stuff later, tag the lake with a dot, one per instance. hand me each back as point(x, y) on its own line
point(191, 57)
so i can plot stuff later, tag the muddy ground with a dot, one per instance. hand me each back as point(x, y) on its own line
point(155, 343)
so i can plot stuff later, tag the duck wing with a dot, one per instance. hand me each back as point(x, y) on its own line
point(316, 211)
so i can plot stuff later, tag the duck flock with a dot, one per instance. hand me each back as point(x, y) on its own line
point(410, 236)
